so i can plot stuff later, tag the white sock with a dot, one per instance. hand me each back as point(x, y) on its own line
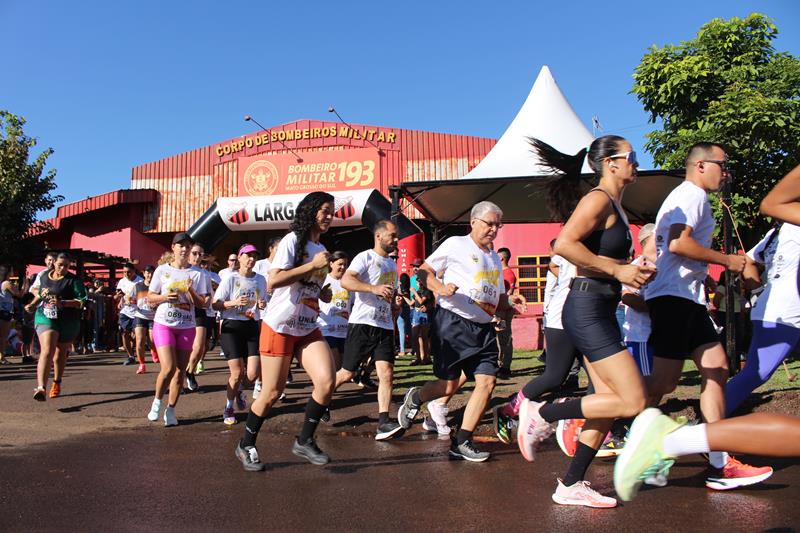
point(718, 459)
point(686, 440)
point(229, 404)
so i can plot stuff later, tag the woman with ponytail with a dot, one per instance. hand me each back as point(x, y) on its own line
point(596, 239)
point(296, 279)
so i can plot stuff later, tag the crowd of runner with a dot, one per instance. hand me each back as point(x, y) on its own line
point(343, 319)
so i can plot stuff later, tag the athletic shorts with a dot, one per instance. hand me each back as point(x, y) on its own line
point(274, 344)
point(460, 345)
point(363, 341)
point(144, 323)
point(126, 323)
point(178, 338)
point(643, 355)
point(418, 318)
point(679, 326)
point(590, 318)
point(336, 343)
point(68, 330)
point(239, 338)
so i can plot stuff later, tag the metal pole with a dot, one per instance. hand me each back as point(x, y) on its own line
point(730, 285)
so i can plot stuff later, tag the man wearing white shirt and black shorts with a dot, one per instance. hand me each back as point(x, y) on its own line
point(463, 338)
point(372, 276)
point(126, 299)
point(681, 326)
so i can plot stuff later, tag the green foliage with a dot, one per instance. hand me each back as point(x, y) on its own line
point(24, 190)
point(728, 85)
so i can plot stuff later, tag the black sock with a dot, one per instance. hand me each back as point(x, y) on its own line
point(416, 399)
point(383, 418)
point(552, 412)
point(463, 436)
point(314, 412)
point(580, 463)
point(251, 429)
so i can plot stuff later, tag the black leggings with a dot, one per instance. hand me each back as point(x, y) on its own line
point(561, 355)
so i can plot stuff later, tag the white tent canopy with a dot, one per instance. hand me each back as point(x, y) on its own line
point(546, 115)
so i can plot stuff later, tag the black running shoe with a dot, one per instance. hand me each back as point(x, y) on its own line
point(409, 410)
point(191, 382)
point(467, 451)
point(311, 452)
point(129, 361)
point(389, 430)
point(249, 458)
point(367, 383)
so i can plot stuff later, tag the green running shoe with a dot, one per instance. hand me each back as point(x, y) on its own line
point(503, 425)
point(643, 455)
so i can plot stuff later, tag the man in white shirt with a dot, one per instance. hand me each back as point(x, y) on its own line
point(233, 265)
point(126, 300)
point(681, 326)
point(372, 276)
point(463, 337)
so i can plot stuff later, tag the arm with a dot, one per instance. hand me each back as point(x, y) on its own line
point(681, 242)
point(283, 278)
point(351, 282)
point(751, 275)
point(782, 200)
point(433, 283)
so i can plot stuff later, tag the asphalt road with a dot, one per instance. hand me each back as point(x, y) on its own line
point(90, 461)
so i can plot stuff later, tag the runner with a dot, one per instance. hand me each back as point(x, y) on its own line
point(263, 267)
point(201, 330)
point(233, 266)
point(636, 327)
point(172, 291)
point(144, 319)
point(241, 297)
point(58, 303)
point(597, 240)
point(333, 315)
point(372, 276)
point(681, 326)
point(463, 335)
point(296, 278)
point(8, 291)
point(125, 297)
point(504, 337)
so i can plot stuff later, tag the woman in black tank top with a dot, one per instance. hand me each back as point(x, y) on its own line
point(597, 240)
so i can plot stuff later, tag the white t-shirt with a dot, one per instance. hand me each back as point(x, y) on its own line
point(166, 278)
point(293, 309)
point(235, 285)
point(143, 308)
point(550, 282)
point(334, 316)
point(225, 272)
point(552, 313)
point(779, 302)
point(128, 290)
point(368, 308)
point(677, 275)
point(215, 280)
point(636, 327)
point(477, 274)
point(263, 266)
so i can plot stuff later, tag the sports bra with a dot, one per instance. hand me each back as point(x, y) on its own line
point(614, 242)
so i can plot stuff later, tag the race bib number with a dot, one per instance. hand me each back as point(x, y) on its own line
point(50, 311)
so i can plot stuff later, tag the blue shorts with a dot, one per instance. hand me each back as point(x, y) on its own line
point(418, 318)
point(126, 323)
point(460, 345)
point(642, 353)
point(143, 323)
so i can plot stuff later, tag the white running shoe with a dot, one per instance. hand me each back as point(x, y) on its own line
point(257, 389)
point(581, 493)
point(169, 417)
point(532, 430)
point(429, 424)
point(155, 410)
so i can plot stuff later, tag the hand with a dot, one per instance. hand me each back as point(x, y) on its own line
point(262, 304)
point(321, 260)
point(518, 301)
point(633, 275)
point(326, 293)
point(29, 308)
point(448, 289)
point(52, 300)
point(241, 301)
point(383, 291)
point(735, 263)
point(172, 296)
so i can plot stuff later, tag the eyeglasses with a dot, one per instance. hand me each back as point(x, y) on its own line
point(723, 164)
point(496, 225)
point(231, 260)
point(630, 157)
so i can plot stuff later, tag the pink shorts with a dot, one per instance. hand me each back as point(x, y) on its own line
point(180, 339)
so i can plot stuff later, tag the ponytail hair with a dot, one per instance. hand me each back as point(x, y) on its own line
point(563, 190)
point(305, 218)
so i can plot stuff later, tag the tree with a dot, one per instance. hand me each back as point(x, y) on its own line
point(24, 190)
point(728, 85)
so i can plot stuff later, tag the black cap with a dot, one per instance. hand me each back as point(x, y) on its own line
point(182, 236)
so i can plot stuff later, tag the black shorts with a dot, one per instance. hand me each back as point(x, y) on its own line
point(336, 343)
point(590, 318)
point(126, 323)
point(460, 345)
point(679, 326)
point(143, 323)
point(239, 338)
point(364, 340)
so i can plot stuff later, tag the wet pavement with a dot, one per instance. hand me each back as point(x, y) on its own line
point(90, 460)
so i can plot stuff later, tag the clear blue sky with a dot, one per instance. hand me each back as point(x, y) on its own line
point(111, 85)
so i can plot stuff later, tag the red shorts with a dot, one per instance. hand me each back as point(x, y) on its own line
point(274, 344)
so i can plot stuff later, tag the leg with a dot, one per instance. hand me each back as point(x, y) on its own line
point(235, 367)
point(385, 380)
point(60, 360)
point(168, 362)
point(713, 365)
point(141, 336)
point(253, 368)
point(48, 340)
point(317, 361)
point(176, 385)
point(561, 355)
point(5, 327)
point(663, 379)
point(476, 405)
point(198, 349)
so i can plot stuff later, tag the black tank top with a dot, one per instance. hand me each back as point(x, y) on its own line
point(614, 242)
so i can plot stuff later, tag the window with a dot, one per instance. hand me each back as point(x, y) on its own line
point(532, 276)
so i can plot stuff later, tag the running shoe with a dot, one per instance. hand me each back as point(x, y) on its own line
point(467, 451)
point(169, 417)
point(581, 493)
point(39, 394)
point(736, 474)
point(155, 410)
point(28, 359)
point(389, 430)
point(282, 396)
point(567, 433)
point(502, 424)
point(612, 446)
point(228, 416)
point(326, 416)
point(257, 389)
point(409, 410)
point(191, 382)
point(532, 430)
point(129, 361)
point(643, 455)
point(289, 377)
point(311, 452)
point(142, 369)
point(241, 401)
point(504, 374)
point(200, 368)
point(249, 458)
point(55, 390)
point(366, 382)
point(430, 425)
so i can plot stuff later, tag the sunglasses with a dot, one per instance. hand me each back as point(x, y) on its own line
point(630, 157)
point(723, 164)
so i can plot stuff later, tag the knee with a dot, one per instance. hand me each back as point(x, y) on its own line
point(268, 397)
point(633, 406)
point(325, 386)
point(236, 375)
point(485, 384)
point(385, 375)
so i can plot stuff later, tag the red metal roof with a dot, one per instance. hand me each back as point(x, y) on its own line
point(93, 203)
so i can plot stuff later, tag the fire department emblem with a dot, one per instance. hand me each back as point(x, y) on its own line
point(237, 214)
point(343, 208)
point(261, 178)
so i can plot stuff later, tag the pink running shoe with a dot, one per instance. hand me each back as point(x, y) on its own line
point(567, 434)
point(581, 493)
point(142, 369)
point(532, 430)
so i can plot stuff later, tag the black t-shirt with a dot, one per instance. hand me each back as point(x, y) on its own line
point(426, 297)
point(67, 288)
